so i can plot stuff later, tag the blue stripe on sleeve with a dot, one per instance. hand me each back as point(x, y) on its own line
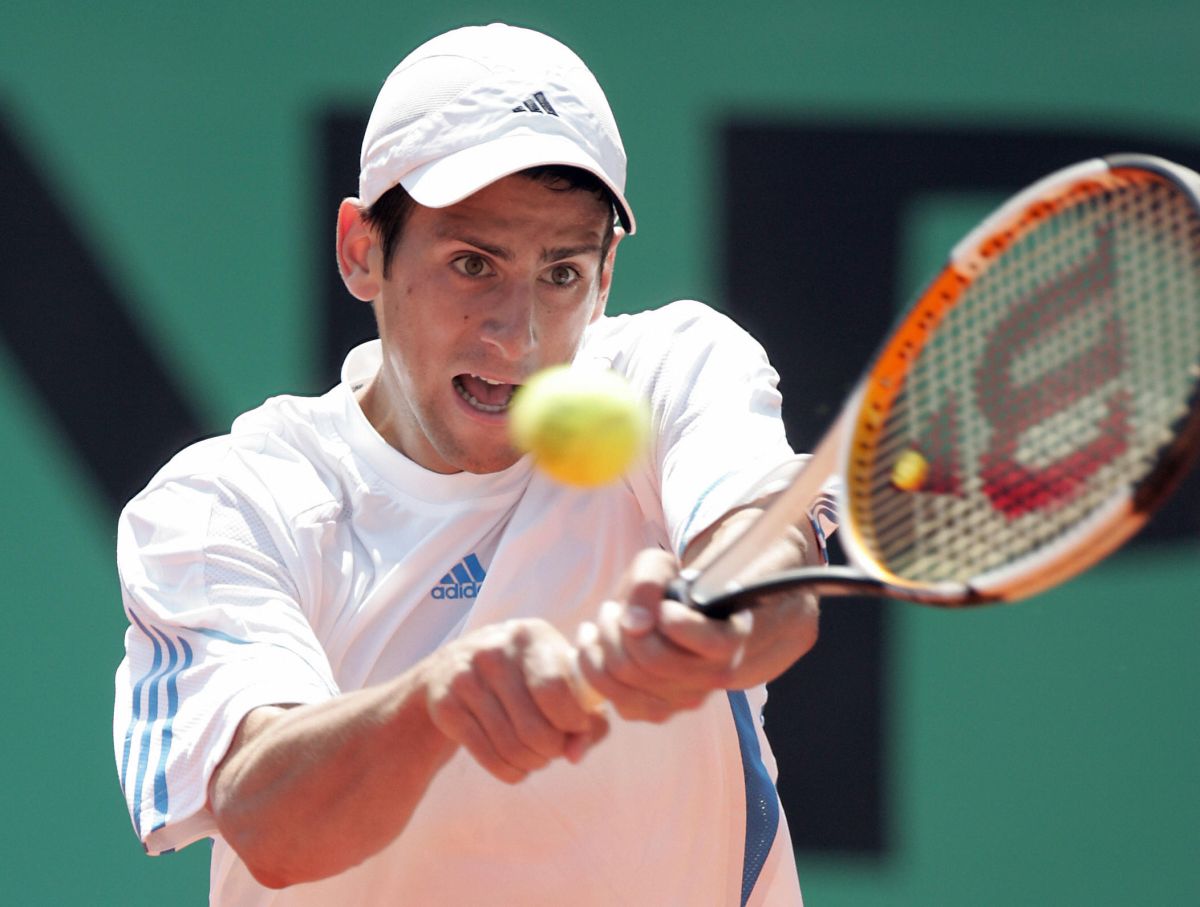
point(218, 634)
point(148, 729)
point(136, 709)
point(164, 750)
point(762, 802)
point(136, 713)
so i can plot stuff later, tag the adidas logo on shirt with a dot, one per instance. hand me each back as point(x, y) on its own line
point(536, 104)
point(463, 580)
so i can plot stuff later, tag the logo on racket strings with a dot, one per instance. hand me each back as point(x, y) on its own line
point(1045, 320)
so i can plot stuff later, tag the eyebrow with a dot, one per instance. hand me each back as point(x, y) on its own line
point(556, 253)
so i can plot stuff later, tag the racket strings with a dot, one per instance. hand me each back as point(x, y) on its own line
point(1049, 384)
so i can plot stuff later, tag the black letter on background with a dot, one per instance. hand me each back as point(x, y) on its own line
point(98, 377)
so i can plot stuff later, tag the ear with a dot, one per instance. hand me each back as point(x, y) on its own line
point(355, 240)
point(606, 274)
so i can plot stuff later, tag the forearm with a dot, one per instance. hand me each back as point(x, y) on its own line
point(308, 792)
point(786, 624)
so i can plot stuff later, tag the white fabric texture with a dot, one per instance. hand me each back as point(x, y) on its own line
point(478, 103)
point(300, 556)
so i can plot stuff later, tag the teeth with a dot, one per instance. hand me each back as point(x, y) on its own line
point(478, 404)
point(488, 380)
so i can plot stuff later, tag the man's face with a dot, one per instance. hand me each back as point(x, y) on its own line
point(479, 296)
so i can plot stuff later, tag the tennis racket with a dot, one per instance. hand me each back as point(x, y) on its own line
point(1029, 412)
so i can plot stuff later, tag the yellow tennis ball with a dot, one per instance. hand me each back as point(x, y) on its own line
point(582, 427)
point(910, 471)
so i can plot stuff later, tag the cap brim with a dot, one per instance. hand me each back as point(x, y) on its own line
point(452, 178)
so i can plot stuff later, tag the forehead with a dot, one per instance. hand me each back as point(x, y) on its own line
point(520, 204)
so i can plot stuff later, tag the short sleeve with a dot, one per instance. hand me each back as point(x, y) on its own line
point(718, 411)
point(216, 629)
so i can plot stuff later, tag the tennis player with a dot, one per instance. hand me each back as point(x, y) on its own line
point(355, 619)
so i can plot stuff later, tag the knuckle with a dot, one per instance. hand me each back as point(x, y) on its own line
point(465, 686)
point(449, 718)
point(488, 662)
point(658, 713)
point(519, 632)
point(643, 708)
point(551, 693)
point(497, 766)
point(519, 756)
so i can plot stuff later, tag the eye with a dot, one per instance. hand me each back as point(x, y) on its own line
point(563, 275)
point(472, 265)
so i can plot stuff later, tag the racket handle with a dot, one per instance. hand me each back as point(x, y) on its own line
point(723, 608)
point(680, 590)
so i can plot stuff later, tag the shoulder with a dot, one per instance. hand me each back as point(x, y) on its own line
point(683, 316)
point(682, 338)
point(274, 460)
point(685, 322)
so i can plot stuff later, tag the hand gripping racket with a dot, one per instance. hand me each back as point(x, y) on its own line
point(1028, 413)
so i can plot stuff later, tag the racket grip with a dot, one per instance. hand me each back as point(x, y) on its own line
point(680, 590)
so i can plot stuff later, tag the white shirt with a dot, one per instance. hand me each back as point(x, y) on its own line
point(301, 556)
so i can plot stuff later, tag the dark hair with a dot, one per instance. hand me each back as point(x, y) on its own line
point(391, 210)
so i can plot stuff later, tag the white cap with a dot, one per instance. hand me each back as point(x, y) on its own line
point(479, 103)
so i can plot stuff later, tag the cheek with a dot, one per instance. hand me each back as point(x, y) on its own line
point(559, 337)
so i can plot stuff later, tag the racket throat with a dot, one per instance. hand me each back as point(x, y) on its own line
point(833, 581)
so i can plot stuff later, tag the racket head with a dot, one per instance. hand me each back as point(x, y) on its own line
point(1039, 400)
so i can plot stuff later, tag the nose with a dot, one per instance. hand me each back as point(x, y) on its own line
point(509, 324)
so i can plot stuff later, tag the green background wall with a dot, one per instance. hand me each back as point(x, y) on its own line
point(1042, 754)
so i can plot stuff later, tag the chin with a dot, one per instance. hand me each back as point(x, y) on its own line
point(483, 465)
point(479, 457)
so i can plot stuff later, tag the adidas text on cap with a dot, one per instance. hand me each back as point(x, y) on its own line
point(480, 103)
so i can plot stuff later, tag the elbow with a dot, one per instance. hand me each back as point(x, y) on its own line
point(263, 864)
point(258, 849)
point(278, 858)
point(270, 877)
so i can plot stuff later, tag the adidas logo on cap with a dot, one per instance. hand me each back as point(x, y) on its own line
point(463, 580)
point(536, 104)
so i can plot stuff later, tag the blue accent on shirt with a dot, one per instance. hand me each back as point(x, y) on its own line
point(762, 802)
point(160, 776)
point(136, 710)
point(696, 508)
point(148, 729)
point(218, 634)
point(155, 676)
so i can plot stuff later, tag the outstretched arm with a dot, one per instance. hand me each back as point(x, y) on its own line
point(307, 792)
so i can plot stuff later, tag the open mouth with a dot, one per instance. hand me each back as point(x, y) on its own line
point(486, 395)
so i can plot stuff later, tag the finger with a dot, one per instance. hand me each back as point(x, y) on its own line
point(458, 723)
point(648, 575)
point(578, 745)
point(586, 696)
point(521, 730)
point(475, 691)
point(658, 661)
point(632, 694)
point(706, 637)
point(637, 660)
point(560, 692)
